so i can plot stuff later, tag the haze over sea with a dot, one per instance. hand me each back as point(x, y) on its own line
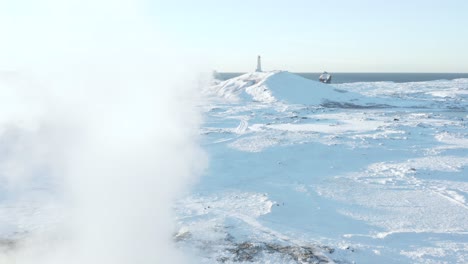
point(348, 77)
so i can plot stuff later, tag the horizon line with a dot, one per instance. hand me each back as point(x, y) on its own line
point(351, 72)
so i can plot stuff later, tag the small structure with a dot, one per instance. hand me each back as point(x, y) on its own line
point(259, 64)
point(325, 77)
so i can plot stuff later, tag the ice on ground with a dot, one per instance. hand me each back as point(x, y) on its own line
point(449, 94)
point(375, 171)
point(303, 172)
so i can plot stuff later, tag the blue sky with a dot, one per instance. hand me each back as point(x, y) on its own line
point(294, 35)
point(308, 35)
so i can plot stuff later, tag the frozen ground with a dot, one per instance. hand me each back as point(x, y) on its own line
point(303, 172)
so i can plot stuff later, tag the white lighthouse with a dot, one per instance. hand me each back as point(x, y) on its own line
point(259, 64)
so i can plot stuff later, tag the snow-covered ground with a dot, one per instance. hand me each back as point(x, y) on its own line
point(303, 172)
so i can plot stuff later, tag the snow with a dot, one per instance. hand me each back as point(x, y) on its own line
point(361, 172)
point(268, 87)
point(377, 171)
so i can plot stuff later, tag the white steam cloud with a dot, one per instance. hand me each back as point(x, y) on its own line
point(98, 133)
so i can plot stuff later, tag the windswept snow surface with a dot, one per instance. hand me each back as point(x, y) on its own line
point(357, 173)
point(303, 172)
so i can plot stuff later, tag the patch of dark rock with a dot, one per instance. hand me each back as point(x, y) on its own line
point(216, 109)
point(340, 90)
point(350, 248)
point(328, 249)
point(457, 108)
point(222, 259)
point(7, 244)
point(345, 105)
point(250, 252)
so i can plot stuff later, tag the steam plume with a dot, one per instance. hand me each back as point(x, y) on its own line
point(98, 111)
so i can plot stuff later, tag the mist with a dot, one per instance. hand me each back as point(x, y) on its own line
point(98, 133)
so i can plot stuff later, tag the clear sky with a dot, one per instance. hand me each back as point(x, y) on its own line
point(332, 35)
point(294, 35)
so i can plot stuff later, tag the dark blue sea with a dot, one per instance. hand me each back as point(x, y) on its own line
point(349, 77)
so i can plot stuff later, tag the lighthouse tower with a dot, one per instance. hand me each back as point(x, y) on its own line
point(259, 64)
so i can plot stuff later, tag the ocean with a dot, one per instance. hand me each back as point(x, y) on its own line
point(350, 77)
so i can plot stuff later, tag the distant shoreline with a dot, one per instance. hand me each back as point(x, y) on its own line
point(348, 77)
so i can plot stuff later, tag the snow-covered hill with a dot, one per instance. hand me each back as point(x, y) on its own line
point(288, 88)
point(280, 86)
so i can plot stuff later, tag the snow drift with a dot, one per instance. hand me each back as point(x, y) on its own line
point(280, 86)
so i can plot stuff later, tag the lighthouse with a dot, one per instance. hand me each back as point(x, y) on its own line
point(259, 64)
